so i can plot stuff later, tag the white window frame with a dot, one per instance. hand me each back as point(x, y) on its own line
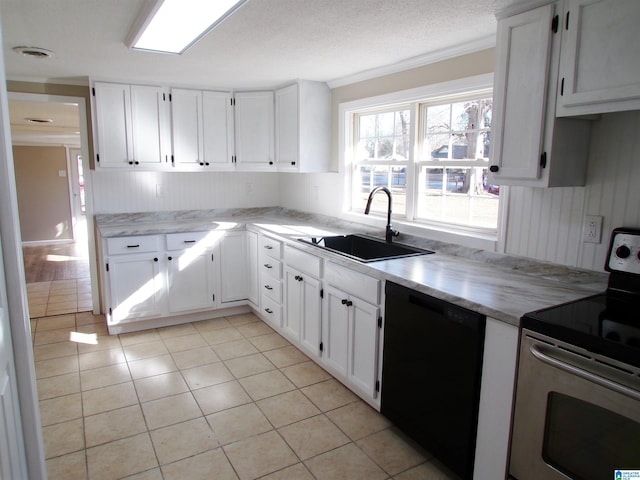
point(468, 236)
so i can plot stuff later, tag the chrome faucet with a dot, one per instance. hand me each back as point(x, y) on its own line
point(389, 232)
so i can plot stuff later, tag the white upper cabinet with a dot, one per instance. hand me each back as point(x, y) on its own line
point(254, 122)
point(217, 121)
point(202, 129)
point(530, 145)
point(303, 123)
point(150, 125)
point(600, 64)
point(131, 126)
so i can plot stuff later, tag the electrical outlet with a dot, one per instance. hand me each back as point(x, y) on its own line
point(592, 228)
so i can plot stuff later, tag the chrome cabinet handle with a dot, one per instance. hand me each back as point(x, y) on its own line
point(584, 374)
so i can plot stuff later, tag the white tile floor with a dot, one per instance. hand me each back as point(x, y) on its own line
point(219, 399)
point(59, 297)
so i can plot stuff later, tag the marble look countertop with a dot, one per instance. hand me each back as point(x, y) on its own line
point(497, 285)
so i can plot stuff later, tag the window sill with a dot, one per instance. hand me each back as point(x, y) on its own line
point(470, 239)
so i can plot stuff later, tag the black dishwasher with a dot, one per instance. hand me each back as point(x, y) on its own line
point(432, 364)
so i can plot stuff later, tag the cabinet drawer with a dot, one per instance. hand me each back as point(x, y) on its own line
point(271, 287)
point(272, 310)
point(302, 261)
point(270, 247)
point(137, 244)
point(355, 283)
point(270, 266)
point(180, 241)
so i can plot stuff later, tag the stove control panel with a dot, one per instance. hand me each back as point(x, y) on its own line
point(624, 251)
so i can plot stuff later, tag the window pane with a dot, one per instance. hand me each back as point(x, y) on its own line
point(458, 195)
point(468, 135)
point(384, 136)
point(369, 177)
point(439, 118)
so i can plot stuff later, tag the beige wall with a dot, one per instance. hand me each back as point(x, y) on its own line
point(43, 195)
point(477, 63)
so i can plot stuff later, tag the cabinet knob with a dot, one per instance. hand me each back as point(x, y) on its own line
point(169, 258)
point(270, 163)
point(494, 168)
point(268, 266)
point(130, 162)
point(201, 164)
point(268, 310)
point(206, 164)
point(268, 287)
point(155, 259)
point(136, 162)
point(300, 278)
point(347, 302)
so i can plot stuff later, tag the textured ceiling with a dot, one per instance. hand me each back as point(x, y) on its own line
point(265, 44)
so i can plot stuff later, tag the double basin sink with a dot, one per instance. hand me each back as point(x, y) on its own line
point(363, 248)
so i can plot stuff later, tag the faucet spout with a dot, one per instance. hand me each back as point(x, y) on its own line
point(389, 231)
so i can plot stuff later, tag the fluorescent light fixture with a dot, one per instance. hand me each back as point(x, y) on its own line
point(172, 26)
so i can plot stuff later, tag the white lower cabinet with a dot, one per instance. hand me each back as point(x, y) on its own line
point(303, 292)
point(351, 326)
point(136, 284)
point(155, 277)
point(233, 267)
point(270, 280)
point(190, 280)
point(350, 341)
point(253, 292)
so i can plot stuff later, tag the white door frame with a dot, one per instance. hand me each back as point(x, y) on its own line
point(88, 186)
point(28, 418)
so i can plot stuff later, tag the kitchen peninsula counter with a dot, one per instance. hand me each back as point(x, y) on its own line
point(496, 285)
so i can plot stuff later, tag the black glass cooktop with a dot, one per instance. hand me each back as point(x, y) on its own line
point(600, 324)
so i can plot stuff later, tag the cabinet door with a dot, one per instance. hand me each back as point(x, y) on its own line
point(253, 291)
point(287, 127)
point(311, 317)
point(363, 347)
point(186, 127)
point(600, 65)
point(520, 93)
point(149, 121)
point(254, 130)
point(218, 142)
point(335, 332)
point(113, 124)
point(294, 304)
point(233, 267)
point(136, 287)
point(191, 280)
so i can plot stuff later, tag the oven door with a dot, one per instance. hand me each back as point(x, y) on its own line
point(576, 417)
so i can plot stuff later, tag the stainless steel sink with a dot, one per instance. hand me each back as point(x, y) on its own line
point(364, 248)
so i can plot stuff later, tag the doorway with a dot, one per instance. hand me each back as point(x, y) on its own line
point(59, 255)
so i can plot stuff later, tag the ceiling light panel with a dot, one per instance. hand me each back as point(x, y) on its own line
point(172, 26)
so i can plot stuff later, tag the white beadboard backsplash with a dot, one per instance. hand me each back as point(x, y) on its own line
point(126, 191)
point(547, 224)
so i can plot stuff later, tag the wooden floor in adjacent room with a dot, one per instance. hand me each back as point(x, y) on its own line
point(57, 278)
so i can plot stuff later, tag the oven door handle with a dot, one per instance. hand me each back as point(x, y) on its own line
point(585, 374)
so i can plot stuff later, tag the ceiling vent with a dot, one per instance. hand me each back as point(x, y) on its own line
point(35, 52)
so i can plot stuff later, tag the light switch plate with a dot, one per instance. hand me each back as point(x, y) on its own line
point(592, 228)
